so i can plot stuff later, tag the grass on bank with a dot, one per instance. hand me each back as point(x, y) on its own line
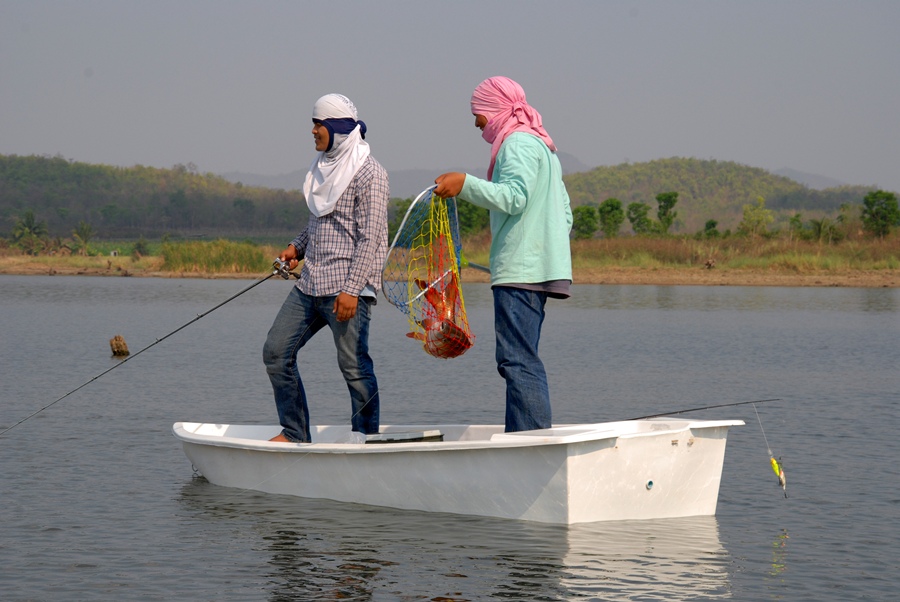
point(195, 258)
point(78, 264)
point(732, 253)
point(737, 253)
point(217, 257)
point(239, 258)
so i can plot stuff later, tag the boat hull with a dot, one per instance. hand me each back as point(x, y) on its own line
point(568, 474)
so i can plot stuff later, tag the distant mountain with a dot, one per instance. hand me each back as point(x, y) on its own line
point(408, 183)
point(288, 181)
point(405, 183)
point(814, 181)
point(571, 164)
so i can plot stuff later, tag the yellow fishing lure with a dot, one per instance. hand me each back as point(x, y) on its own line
point(776, 466)
point(779, 472)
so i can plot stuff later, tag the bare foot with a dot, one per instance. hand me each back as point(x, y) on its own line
point(280, 438)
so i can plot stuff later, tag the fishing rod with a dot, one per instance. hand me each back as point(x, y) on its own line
point(279, 268)
point(721, 405)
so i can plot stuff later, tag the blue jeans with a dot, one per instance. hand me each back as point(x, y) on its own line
point(301, 316)
point(518, 316)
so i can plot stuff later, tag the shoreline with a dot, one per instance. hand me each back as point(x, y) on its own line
point(725, 277)
point(675, 276)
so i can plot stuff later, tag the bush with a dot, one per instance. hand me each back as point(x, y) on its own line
point(218, 257)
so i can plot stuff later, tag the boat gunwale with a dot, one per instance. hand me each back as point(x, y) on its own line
point(581, 433)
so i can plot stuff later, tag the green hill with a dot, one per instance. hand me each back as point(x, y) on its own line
point(141, 201)
point(706, 190)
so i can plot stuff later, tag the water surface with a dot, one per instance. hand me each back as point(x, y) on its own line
point(99, 502)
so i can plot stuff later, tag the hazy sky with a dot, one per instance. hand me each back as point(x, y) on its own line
point(812, 85)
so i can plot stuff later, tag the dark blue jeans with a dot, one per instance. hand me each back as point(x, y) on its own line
point(301, 316)
point(518, 316)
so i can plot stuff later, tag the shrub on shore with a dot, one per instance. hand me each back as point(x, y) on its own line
point(216, 257)
point(737, 253)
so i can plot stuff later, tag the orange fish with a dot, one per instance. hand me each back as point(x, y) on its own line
point(443, 338)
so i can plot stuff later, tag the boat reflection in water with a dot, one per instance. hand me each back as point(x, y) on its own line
point(666, 559)
point(323, 550)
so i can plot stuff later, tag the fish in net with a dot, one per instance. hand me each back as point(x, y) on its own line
point(421, 276)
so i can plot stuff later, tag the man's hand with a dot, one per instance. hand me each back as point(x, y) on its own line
point(345, 306)
point(449, 184)
point(289, 256)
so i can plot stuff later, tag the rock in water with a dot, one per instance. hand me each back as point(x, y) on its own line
point(118, 346)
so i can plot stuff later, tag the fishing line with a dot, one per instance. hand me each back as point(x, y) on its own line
point(766, 439)
point(721, 405)
point(279, 268)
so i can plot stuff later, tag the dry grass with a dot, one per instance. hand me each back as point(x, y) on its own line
point(632, 260)
point(737, 253)
point(79, 265)
point(216, 257)
point(732, 261)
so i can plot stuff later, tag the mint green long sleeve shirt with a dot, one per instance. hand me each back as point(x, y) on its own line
point(530, 213)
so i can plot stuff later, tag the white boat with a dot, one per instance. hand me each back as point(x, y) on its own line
point(637, 469)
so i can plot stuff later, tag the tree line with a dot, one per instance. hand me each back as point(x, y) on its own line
point(877, 215)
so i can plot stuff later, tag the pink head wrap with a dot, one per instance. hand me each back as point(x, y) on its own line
point(502, 101)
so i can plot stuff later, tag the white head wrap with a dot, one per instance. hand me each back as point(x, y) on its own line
point(332, 170)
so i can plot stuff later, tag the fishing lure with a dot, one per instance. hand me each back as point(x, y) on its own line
point(777, 467)
point(779, 472)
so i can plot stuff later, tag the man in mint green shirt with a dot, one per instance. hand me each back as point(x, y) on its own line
point(530, 223)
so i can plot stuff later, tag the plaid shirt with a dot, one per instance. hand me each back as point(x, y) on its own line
point(345, 250)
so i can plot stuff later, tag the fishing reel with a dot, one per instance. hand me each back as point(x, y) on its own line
point(282, 268)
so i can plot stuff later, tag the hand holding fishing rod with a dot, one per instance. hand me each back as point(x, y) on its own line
point(280, 267)
point(287, 261)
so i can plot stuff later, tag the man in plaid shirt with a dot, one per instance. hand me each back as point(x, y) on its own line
point(343, 248)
